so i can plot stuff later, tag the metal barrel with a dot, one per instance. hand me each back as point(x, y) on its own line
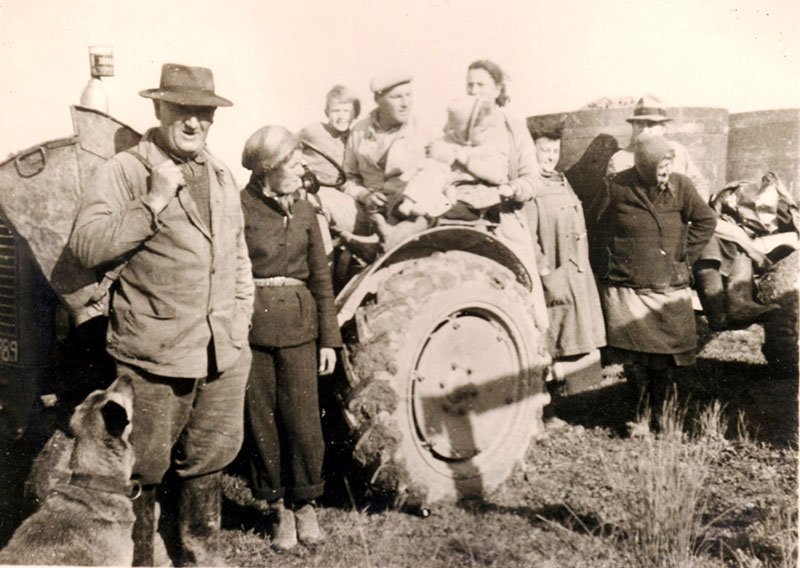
point(762, 141)
point(41, 188)
point(40, 193)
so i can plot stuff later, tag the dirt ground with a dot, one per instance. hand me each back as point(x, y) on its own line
point(557, 509)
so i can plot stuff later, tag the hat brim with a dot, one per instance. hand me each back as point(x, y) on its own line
point(648, 118)
point(186, 97)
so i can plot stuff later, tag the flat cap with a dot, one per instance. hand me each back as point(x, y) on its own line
point(383, 82)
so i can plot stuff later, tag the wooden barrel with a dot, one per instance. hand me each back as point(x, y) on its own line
point(702, 130)
point(762, 141)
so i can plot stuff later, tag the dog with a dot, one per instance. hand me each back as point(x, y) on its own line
point(87, 517)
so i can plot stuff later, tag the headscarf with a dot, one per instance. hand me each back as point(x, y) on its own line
point(648, 152)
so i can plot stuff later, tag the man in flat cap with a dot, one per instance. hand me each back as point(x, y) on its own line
point(168, 213)
point(650, 118)
point(384, 149)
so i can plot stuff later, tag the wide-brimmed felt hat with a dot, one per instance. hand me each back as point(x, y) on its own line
point(188, 86)
point(650, 109)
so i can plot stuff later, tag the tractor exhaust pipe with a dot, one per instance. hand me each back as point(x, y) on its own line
point(101, 64)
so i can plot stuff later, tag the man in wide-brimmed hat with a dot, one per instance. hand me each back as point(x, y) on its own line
point(650, 117)
point(168, 212)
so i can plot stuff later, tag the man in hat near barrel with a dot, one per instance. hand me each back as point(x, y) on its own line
point(168, 212)
point(650, 118)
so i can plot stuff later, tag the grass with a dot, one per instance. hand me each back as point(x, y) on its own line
point(715, 487)
point(660, 486)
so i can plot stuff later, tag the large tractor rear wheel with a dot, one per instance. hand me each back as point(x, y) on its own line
point(446, 379)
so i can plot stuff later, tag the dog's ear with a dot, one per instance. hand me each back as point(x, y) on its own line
point(123, 385)
point(115, 417)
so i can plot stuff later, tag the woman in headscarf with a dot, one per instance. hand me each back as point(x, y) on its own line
point(654, 226)
point(558, 230)
point(293, 336)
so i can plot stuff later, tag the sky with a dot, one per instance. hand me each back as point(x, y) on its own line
point(276, 60)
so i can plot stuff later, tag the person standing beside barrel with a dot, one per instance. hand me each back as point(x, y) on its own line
point(650, 118)
point(168, 212)
point(558, 230)
point(654, 225)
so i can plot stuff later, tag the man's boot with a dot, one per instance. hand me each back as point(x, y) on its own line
point(199, 520)
point(284, 532)
point(392, 235)
point(743, 310)
point(711, 291)
point(144, 528)
point(364, 247)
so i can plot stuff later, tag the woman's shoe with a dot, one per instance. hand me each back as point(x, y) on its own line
point(284, 533)
point(308, 530)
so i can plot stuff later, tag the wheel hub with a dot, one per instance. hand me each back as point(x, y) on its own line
point(467, 378)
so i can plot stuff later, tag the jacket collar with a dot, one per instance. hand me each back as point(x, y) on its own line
point(656, 189)
point(155, 154)
point(335, 134)
point(375, 124)
point(280, 204)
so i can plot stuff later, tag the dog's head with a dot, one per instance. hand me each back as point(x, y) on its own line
point(101, 425)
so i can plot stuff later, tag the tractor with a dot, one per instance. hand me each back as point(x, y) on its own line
point(442, 384)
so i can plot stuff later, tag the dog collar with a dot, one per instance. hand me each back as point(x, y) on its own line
point(106, 484)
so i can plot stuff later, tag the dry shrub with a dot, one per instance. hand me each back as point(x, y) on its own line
point(659, 484)
point(771, 541)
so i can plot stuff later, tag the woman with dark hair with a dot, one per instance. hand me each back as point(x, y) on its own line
point(293, 336)
point(486, 80)
point(558, 230)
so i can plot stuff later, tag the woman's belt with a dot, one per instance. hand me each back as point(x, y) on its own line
point(278, 281)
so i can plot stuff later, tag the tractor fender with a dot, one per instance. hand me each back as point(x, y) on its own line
point(441, 239)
